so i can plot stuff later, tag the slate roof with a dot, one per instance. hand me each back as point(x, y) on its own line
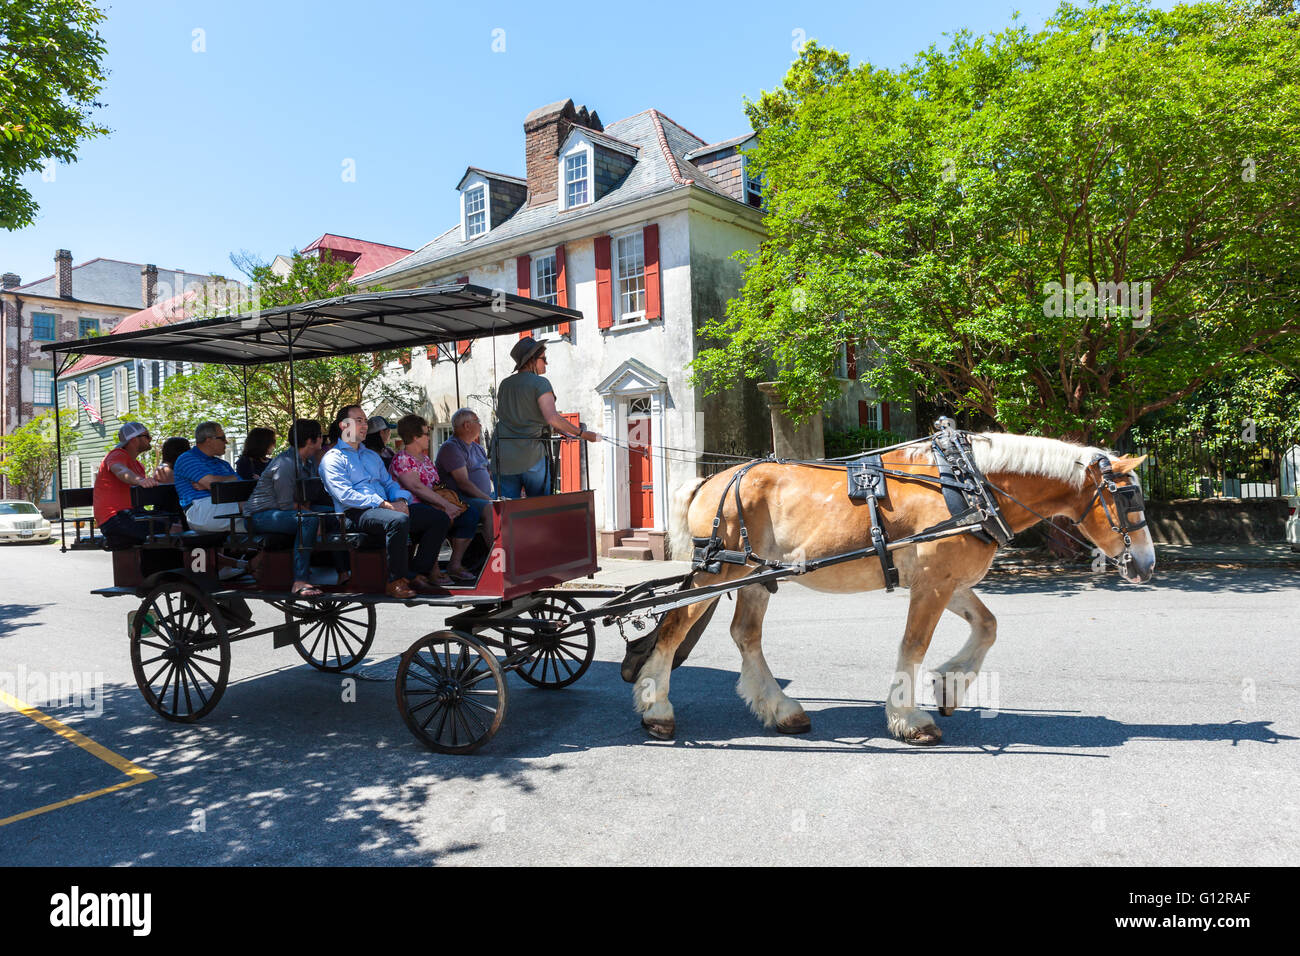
point(111, 282)
point(661, 167)
point(714, 147)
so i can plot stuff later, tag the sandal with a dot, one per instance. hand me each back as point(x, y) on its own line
point(443, 580)
point(460, 574)
point(307, 590)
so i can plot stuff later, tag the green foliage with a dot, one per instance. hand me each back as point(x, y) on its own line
point(925, 210)
point(840, 444)
point(29, 456)
point(50, 75)
point(321, 386)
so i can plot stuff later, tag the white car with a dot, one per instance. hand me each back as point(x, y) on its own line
point(22, 521)
point(1293, 523)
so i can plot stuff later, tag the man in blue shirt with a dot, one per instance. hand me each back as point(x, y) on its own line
point(362, 489)
point(197, 471)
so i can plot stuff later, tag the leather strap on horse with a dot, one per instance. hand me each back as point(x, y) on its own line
point(709, 554)
point(873, 481)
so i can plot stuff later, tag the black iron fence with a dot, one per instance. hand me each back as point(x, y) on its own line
point(1258, 463)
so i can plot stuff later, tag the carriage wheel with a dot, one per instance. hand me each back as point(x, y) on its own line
point(332, 635)
point(451, 692)
point(179, 651)
point(559, 653)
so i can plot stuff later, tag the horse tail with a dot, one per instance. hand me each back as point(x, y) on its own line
point(678, 524)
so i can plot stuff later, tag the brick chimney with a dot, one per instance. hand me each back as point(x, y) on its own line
point(545, 129)
point(149, 284)
point(63, 272)
point(11, 280)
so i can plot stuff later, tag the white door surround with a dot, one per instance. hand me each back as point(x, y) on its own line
point(633, 380)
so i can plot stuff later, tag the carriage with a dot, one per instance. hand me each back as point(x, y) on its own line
point(516, 616)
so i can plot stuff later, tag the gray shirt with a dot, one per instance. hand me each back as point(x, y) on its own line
point(520, 423)
point(275, 489)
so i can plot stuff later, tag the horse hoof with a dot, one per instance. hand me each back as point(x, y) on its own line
point(924, 736)
point(660, 729)
point(946, 711)
point(795, 724)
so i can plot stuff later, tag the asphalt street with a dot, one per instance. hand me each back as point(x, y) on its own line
point(1125, 725)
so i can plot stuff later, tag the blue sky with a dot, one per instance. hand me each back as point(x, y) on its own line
point(242, 146)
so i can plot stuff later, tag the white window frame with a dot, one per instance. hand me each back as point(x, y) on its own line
point(873, 409)
point(546, 331)
point(72, 401)
point(72, 468)
point(94, 394)
point(121, 390)
point(49, 387)
point(465, 196)
point(562, 189)
point(621, 317)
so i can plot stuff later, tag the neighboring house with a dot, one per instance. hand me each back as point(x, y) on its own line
point(364, 256)
point(113, 387)
point(634, 224)
point(74, 302)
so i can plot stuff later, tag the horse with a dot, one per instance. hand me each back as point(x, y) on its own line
point(801, 511)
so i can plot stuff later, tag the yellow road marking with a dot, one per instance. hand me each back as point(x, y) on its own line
point(136, 774)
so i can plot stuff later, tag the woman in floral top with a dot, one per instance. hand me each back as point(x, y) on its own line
point(415, 471)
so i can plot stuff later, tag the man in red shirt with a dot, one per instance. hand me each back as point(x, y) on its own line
point(120, 471)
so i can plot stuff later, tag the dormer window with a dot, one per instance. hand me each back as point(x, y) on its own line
point(475, 211)
point(575, 179)
point(753, 186)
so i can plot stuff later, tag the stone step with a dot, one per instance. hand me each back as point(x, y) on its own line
point(631, 553)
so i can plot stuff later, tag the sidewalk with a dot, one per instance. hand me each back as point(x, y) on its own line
point(616, 573)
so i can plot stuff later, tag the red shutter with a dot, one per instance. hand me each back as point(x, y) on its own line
point(570, 457)
point(524, 279)
point(884, 416)
point(650, 236)
point(863, 414)
point(462, 345)
point(604, 298)
point(561, 286)
point(852, 354)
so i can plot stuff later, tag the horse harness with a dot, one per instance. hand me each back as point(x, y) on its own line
point(965, 490)
point(1128, 500)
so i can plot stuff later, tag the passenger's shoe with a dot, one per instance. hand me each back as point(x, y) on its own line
point(422, 585)
point(399, 589)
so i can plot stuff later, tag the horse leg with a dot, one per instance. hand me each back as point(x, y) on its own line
point(954, 678)
point(908, 722)
point(650, 689)
point(756, 686)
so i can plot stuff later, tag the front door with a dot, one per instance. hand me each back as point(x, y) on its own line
point(640, 478)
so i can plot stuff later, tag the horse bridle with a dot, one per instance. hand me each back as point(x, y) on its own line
point(1127, 499)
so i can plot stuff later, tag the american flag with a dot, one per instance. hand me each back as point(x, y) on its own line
point(90, 410)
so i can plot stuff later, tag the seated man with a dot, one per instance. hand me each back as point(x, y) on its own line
point(274, 506)
point(121, 470)
point(196, 472)
point(363, 490)
point(463, 464)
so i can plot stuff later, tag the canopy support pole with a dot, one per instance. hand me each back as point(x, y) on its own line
point(58, 464)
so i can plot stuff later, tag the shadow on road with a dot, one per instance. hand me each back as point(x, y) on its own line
point(14, 616)
point(1200, 580)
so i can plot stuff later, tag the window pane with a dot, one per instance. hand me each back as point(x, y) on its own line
point(43, 381)
point(87, 327)
point(631, 276)
point(43, 326)
point(575, 180)
point(475, 212)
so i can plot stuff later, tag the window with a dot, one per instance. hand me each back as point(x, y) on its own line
point(93, 395)
point(544, 286)
point(639, 407)
point(869, 415)
point(49, 491)
point(140, 388)
point(842, 362)
point(629, 296)
point(72, 472)
point(121, 391)
point(753, 187)
point(475, 212)
point(87, 327)
point(43, 326)
point(72, 400)
point(575, 179)
point(43, 386)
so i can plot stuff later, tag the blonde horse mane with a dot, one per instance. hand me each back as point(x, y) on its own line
point(1028, 455)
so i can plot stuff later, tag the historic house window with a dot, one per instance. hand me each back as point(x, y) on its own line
point(544, 286)
point(121, 391)
point(43, 386)
point(43, 326)
point(630, 296)
point(72, 400)
point(475, 212)
point(87, 327)
point(575, 179)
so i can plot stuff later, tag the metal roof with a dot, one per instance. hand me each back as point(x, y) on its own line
point(346, 325)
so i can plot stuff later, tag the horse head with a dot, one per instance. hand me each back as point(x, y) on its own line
point(1114, 517)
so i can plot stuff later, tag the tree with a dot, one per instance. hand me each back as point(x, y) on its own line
point(50, 76)
point(29, 457)
point(1062, 232)
point(321, 386)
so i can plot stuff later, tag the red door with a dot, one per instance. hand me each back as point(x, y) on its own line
point(640, 478)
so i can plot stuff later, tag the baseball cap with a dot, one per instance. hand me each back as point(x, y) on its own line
point(379, 423)
point(128, 431)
